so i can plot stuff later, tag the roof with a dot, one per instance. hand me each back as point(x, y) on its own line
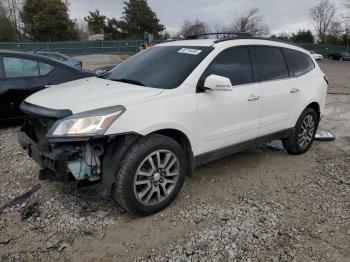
point(195, 42)
point(234, 41)
point(3, 51)
point(31, 55)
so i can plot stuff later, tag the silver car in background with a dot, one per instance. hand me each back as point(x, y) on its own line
point(70, 61)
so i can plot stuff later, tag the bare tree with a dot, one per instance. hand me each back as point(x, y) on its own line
point(323, 15)
point(193, 28)
point(13, 9)
point(347, 3)
point(346, 15)
point(336, 29)
point(220, 30)
point(251, 22)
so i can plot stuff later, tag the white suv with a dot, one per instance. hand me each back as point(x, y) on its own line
point(135, 132)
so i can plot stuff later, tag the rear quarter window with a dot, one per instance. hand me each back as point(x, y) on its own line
point(299, 63)
point(45, 69)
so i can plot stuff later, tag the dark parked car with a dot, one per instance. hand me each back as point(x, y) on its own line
point(22, 74)
point(342, 56)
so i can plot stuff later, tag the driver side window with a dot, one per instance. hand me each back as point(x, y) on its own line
point(233, 63)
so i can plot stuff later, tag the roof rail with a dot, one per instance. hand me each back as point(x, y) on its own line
point(239, 35)
point(217, 34)
point(257, 38)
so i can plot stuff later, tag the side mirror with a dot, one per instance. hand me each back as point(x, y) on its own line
point(217, 83)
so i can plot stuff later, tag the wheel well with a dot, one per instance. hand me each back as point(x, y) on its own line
point(177, 135)
point(183, 140)
point(316, 107)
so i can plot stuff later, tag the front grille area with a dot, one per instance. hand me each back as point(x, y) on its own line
point(37, 128)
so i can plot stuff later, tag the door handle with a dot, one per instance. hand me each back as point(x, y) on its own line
point(47, 86)
point(253, 98)
point(294, 90)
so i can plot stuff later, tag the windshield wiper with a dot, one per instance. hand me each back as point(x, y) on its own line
point(129, 81)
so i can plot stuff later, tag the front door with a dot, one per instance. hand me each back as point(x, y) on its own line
point(226, 118)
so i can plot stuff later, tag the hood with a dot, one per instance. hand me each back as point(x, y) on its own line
point(91, 93)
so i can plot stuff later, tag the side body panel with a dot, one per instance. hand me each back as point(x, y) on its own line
point(227, 117)
point(172, 109)
point(280, 104)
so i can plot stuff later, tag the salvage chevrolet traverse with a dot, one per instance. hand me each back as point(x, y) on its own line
point(137, 131)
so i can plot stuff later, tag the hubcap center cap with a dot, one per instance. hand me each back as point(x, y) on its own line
point(156, 177)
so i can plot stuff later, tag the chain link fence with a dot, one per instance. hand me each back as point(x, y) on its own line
point(125, 46)
point(326, 50)
point(78, 48)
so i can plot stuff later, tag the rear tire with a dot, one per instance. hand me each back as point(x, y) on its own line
point(151, 175)
point(303, 134)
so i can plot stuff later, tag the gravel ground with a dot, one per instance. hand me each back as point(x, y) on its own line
point(258, 205)
point(90, 62)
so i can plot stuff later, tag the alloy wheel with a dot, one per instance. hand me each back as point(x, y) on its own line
point(306, 131)
point(156, 177)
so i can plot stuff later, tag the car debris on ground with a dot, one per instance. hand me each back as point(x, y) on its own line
point(20, 199)
point(323, 135)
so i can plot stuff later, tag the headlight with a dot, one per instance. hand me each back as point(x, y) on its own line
point(89, 123)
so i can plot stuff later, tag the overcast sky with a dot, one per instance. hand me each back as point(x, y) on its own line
point(280, 15)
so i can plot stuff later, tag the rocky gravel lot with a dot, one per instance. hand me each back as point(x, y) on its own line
point(258, 205)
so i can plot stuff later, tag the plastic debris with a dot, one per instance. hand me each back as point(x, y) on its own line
point(30, 211)
point(20, 199)
point(323, 135)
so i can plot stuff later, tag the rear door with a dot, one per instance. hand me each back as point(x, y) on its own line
point(227, 118)
point(281, 95)
point(300, 66)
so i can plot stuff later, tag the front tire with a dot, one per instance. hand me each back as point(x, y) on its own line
point(151, 175)
point(303, 134)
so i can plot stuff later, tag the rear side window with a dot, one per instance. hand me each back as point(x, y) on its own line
point(298, 62)
point(45, 69)
point(233, 63)
point(18, 67)
point(271, 63)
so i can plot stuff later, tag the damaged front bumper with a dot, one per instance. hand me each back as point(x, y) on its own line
point(93, 161)
point(55, 162)
point(64, 159)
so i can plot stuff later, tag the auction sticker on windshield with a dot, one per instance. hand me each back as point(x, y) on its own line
point(189, 51)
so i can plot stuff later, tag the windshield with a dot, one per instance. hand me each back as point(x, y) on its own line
point(163, 67)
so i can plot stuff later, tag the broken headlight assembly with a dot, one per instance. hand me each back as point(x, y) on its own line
point(90, 123)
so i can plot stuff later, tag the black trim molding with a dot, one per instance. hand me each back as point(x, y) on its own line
point(226, 151)
point(40, 111)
